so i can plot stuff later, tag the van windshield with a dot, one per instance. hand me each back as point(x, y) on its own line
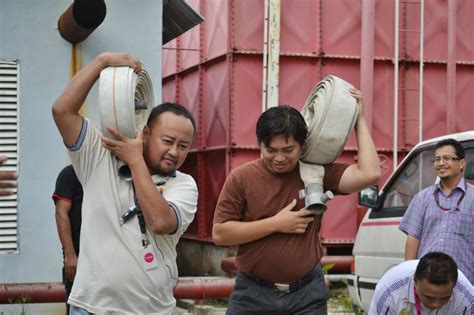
point(418, 174)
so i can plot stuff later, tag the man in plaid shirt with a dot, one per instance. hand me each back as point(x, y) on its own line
point(441, 217)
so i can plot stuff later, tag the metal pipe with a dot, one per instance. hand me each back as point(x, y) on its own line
point(187, 288)
point(265, 56)
point(451, 69)
point(422, 35)
point(274, 54)
point(202, 288)
point(395, 86)
point(367, 59)
point(81, 19)
point(341, 263)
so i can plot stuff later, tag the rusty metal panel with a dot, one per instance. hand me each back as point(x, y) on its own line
point(341, 27)
point(189, 97)
point(298, 77)
point(465, 97)
point(464, 30)
point(214, 177)
point(247, 24)
point(189, 42)
point(246, 99)
point(384, 28)
point(216, 104)
point(318, 38)
point(169, 61)
point(169, 92)
point(299, 27)
point(216, 29)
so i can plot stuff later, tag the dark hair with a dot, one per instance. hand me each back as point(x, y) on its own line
point(438, 268)
point(458, 148)
point(175, 108)
point(281, 120)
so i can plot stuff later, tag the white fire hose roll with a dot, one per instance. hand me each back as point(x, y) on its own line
point(125, 100)
point(330, 113)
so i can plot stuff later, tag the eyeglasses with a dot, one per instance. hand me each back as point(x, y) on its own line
point(446, 158)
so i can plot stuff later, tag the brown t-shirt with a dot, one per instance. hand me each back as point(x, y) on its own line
point(252, 193)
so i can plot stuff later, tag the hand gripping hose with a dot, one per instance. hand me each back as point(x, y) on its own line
point(330, 113)
point(125, 102)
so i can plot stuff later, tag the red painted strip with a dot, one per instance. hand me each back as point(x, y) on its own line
point(381, 223)
point(58, 197)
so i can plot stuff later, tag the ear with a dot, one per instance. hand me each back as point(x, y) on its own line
point(146, 132)
point(462, 164)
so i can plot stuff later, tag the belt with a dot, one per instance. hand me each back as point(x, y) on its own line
point(288, 287)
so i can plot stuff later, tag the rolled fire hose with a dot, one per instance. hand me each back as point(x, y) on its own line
point(330, 113)
point(125, 101)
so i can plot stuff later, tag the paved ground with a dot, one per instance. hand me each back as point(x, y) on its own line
point(213, 310)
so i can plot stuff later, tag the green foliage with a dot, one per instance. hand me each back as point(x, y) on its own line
point(327, 267)
point(23, 302)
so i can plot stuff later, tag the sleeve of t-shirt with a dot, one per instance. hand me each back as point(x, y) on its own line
point(464, 295)
point(383, 300)
point(231, 203)
point(332, 177)
point(412, 221)
point(87, 152)
point(64, 189)
point(182, 196)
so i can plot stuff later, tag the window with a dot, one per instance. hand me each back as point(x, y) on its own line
point(419, 174)
point(9, 147)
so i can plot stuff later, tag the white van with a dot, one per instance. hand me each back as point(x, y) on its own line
point(379, 244)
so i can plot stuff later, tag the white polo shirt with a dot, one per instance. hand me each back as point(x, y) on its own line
point(111, 277)
point(394, 294)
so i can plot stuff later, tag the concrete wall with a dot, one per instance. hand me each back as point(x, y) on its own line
point(28, 32)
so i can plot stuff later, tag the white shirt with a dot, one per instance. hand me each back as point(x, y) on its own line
point(394, 294)
point(111, 277)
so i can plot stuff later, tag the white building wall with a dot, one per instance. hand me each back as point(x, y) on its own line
point(28, 32)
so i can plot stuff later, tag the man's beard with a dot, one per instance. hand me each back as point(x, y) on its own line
point(160, 171)
point(156, 168)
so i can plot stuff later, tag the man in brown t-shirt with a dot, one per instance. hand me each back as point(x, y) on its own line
point(278, 246)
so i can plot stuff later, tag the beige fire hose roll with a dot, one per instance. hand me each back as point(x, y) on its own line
point(330, 113)
point(125, 100)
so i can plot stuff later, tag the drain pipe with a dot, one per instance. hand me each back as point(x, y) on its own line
point(81, 19)
point(187, 288)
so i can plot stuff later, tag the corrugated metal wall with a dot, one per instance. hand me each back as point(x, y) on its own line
point(216, 70)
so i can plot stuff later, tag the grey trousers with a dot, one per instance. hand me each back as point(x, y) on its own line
point(251, 297)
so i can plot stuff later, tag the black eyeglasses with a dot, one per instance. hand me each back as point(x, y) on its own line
point(446, 158)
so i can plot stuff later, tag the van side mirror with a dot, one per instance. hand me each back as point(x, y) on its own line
point(369, 197)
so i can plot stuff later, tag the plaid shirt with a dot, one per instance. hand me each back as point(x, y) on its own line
point(448, 231)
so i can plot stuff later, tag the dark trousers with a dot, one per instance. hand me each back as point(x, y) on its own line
point(251, 297)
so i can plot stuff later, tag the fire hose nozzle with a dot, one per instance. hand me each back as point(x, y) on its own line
point(316, 199)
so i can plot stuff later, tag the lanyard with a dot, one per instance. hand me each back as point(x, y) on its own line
point(141, 219)
point(417, 302)
point(436, 195)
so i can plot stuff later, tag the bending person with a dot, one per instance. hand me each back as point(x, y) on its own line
point(431, 285)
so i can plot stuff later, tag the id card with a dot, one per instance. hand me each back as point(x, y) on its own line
point(148, 258)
